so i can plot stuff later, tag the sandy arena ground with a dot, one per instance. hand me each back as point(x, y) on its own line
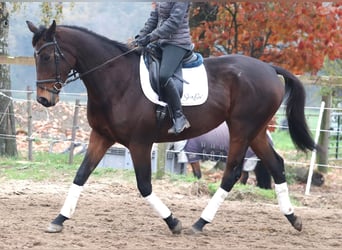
point(112, 215)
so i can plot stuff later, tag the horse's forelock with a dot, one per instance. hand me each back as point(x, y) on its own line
point(38, 35)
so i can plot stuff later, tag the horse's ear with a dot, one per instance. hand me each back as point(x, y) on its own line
point(51, 31)
point(32, 27)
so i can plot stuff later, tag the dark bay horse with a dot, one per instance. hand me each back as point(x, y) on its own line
point(244, 92)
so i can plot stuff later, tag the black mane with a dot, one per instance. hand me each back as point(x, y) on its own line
point(123, 47)
point(42, 29)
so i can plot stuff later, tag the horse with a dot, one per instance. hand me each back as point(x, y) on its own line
point(244, 92)
point(214, 146)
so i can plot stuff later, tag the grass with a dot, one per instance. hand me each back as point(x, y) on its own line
point(49, 166)
point(44, 167)
point(182, 178)
point(281, 137)
point(52, 167)
point(246, 189)
point(282, 140)
point(251, 193)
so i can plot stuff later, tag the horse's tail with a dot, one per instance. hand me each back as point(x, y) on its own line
point(295, 104)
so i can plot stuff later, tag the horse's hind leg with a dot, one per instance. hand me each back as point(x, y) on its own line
point(263, 176)
point(196, 169)
point(231, 175)
point(275, 164)
point(98, 146)
point(141, 156)
point(244, 177)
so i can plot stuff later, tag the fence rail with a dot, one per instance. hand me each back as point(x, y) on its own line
point(64, 128)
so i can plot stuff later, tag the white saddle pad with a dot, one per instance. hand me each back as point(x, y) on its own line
point(194, 93)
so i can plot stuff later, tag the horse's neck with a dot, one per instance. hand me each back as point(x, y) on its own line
point(89, 57)
point(110, 82)
point(89, 50)
point(114, 83)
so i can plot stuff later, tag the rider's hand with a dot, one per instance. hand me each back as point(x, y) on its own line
point(143, 41)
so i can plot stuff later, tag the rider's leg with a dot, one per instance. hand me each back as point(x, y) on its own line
point(173, 100)
point(170, 62)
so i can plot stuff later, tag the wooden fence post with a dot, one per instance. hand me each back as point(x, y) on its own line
point(73, 132)
point(161, 160)
point(323, 156)
point(29, 123)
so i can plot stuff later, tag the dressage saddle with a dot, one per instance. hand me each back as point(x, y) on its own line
point(152, 56)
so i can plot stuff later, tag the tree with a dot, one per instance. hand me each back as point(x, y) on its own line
point(7, 121)
point(332, 97)
point(300, 36)
point(7, 125)
point(295, 35)
point(50, 11)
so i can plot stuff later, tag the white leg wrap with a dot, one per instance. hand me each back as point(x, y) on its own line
point(284, 202)
point(70, 203)
point(158, 206)
point(214, 204)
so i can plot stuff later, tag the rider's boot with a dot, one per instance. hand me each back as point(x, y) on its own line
point(173, 100)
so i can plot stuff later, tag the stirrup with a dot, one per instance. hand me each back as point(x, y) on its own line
point(185, 125)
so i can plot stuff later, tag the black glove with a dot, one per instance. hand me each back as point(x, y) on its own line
point(143, 41)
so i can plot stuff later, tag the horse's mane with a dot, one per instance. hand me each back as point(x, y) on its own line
point(123, 47)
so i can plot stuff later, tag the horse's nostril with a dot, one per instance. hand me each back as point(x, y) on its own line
point(43, 101)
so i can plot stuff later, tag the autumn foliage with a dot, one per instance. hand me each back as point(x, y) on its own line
point(295, 35)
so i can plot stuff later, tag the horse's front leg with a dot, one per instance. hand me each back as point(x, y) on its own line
point(141, 156)
point(98, 146)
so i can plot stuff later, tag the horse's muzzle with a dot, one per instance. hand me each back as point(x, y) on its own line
point(45, 102)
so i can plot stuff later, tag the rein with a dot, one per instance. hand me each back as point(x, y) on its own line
point(59, 84)
point(80, 75)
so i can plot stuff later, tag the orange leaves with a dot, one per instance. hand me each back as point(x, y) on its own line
point(324, 11)
point(296, 35)
point(301, 45)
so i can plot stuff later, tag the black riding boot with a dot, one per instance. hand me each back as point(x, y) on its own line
point(173, 100)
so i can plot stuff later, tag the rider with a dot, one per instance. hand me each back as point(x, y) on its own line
point(168, 26)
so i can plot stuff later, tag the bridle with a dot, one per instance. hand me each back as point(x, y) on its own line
point(58, 55)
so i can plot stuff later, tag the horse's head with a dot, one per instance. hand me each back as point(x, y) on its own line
point(52, 65)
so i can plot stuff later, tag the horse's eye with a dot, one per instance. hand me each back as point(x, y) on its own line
point(45, 57)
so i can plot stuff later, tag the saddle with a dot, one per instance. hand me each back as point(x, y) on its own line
point(152, 56)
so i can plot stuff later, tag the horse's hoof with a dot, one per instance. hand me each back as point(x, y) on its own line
point(178, 228)
point(297, 224)
point(295, 221)
point(193, 231)
point(54, 228)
